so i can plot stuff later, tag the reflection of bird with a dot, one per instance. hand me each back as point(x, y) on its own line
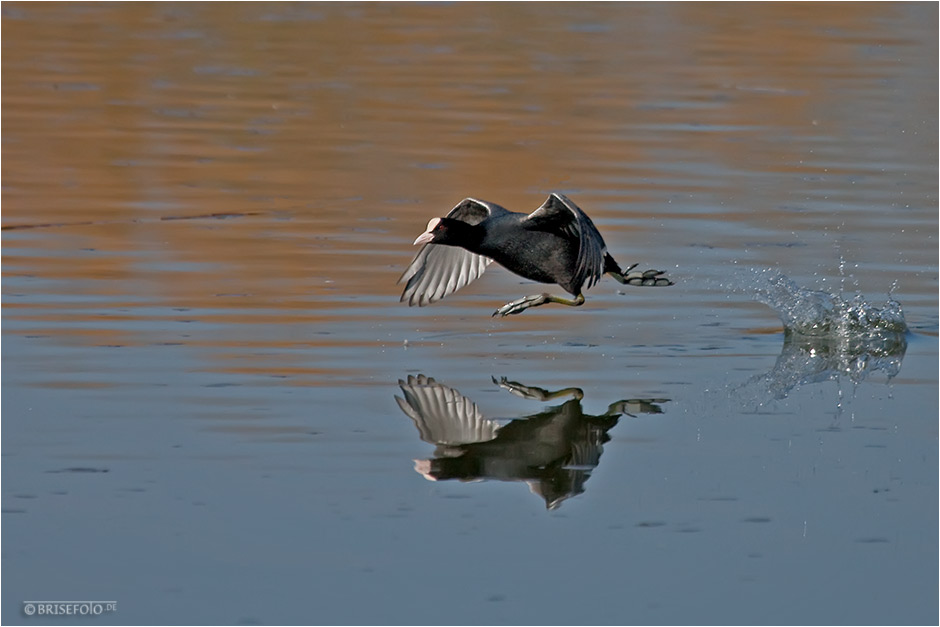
point(553, 451)
point(556, 243)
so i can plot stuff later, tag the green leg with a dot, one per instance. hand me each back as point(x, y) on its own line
point(518, 306)
point(534, 393)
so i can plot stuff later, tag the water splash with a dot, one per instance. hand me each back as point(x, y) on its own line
point(814, 313)
point(804, 360)
point(827, 337)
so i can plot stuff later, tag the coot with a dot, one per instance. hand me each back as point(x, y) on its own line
point(556, 243)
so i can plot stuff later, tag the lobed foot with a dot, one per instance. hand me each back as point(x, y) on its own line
point(518, 306)
point(646, 278)
point(636, 406)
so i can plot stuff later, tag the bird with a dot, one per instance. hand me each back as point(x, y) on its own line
point(557, 243)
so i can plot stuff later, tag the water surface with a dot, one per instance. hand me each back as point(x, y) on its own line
point(206, 208)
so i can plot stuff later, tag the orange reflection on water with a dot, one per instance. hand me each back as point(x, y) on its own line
point(230, 161)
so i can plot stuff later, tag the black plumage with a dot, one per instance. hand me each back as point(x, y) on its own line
point(556, 243)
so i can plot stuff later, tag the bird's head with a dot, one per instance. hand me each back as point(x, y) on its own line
point(446, 231)
point(433, 231)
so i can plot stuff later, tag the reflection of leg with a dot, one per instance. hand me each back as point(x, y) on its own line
point(636, 406)
point(534, 393)
point(646, 278)
point(518, 306)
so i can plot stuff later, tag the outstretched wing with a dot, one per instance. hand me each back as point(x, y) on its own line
point(438, 270)
point(562, 217)
point(442, 414)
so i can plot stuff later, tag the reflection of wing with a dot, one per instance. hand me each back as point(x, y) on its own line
point(564, 218)
point(586, 452)
point(439, 270)
point(443, 415)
